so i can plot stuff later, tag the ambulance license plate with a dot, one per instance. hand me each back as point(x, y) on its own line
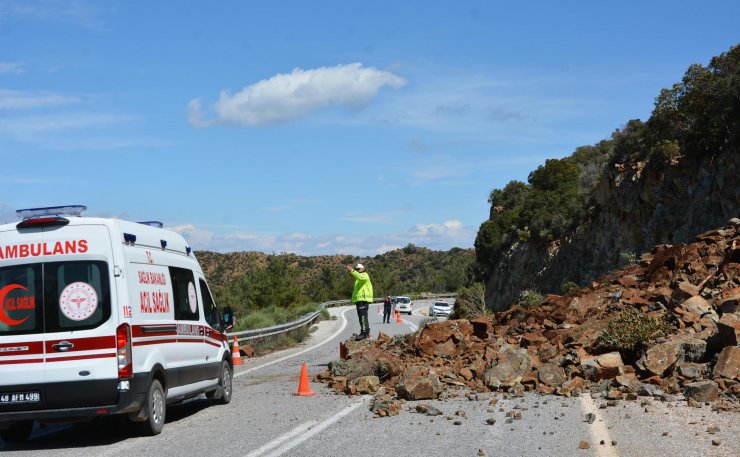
point(20, 397)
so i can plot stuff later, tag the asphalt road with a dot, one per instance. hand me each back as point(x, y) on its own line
point(266, 419)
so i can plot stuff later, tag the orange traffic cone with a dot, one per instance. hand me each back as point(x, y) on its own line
point(398, 317)
point(303, 389)
point(342, 351)
point(236, 357)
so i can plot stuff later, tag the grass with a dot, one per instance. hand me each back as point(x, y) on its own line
point(268, 317)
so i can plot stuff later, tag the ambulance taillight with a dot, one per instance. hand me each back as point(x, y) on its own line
point(123, 352)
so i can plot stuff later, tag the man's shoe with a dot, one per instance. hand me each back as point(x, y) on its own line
point(362, 336)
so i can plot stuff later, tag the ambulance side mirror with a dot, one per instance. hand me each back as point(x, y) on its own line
point(228, 318)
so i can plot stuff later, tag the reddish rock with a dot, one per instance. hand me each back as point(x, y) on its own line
point(367, 384)
point(441, 338)
point(466, 373)
point(511, 366)
point(661, 357)
point(383, 338)
point(683, 291)
point(419, 383)
point(552, 375)
point(699, 306)
point(728, 363)
point(575, 383)
point(702, 391)
point(246, 351)
point(605, 366)
point(728, 330)
point(532, 339)
point(482, 327)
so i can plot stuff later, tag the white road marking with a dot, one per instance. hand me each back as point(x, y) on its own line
point(290, 356)
point(598, 429)
point(283, 438)
point(300, 434)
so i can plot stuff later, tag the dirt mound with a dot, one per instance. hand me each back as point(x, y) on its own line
point(667, 327)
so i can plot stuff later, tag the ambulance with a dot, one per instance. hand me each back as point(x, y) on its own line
point(100, 317)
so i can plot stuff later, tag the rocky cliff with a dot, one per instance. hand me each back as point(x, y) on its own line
point(637, 205)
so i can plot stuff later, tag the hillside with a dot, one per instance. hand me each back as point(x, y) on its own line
point(659, 181)
point(250, 280)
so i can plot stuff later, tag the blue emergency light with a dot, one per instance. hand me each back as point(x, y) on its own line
point(155, 224)
point(50, 211)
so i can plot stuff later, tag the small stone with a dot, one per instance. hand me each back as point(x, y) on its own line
point(712, 429)
point(481, 452)
point(666, 434)
point(457, 423)
point(590, 418)
point(614, 442)
point(602, 442)
point(584, 445)
point(716, 442)
point(491, 421)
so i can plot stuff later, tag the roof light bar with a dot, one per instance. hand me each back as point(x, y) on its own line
point(66, 210)
point(155, 224)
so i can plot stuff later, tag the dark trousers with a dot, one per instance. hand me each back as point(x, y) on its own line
point(362, 315)
point(386, 313)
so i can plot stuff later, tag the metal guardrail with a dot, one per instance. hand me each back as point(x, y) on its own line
point(307, 319)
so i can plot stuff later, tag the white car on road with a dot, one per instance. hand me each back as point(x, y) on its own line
point(440, 308)
point(404, 304)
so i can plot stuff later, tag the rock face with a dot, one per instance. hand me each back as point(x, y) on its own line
point(633, 211)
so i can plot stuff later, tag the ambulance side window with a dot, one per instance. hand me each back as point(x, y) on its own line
point(209, 306)
point(185, 298)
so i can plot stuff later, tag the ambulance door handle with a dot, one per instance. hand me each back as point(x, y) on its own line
point(63, 346)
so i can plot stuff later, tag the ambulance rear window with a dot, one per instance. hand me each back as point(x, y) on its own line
point(53, 297)
point(21, 300)
point(77, 295)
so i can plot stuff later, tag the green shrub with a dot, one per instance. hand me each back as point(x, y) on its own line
point(628, 258)
point(530, 299)
point(629, 330)
point(470, 302)
point(569, 287)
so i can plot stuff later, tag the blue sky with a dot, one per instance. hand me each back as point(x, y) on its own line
point(322, 127)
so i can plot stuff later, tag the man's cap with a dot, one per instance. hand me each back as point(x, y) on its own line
point(359, 266)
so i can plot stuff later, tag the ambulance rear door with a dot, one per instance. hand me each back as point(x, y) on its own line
point(81, 367)
point(21, 322)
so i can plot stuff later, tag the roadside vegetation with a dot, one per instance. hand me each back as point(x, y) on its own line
point(266, 290)
point(697, 118)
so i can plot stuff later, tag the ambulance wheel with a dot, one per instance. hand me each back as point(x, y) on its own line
point(18, 432)
point(223, 393)
point(156, 408)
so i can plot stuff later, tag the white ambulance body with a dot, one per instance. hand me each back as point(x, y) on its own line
point(103, 316)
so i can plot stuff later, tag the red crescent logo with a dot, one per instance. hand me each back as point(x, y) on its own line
point(4, 317)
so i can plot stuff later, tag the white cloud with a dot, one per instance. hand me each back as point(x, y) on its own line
point(438, 236)
point(12, 68)
point(12, 99)
point(288, 96)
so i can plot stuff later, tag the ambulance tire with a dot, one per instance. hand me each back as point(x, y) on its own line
point(156, 408)
point(222, 395)
point(18, 432)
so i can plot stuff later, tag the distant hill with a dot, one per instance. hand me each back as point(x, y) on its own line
point(652, 182)
point(250, 280)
